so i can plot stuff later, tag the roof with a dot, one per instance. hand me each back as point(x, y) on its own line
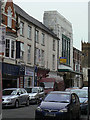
point(32, 20)
point(60, 92)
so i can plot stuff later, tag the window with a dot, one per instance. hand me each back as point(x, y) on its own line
point(21, 28)
point(22, 51)
point(36, 55)
point(66, 48)
point(53, 44)
point(43, 39)
point(36, 36)
point(42, 57)
point(29, 54)
point(29, 32)
point(7, 51)
point(53, 62)
point(9, 20)
point(10, 48)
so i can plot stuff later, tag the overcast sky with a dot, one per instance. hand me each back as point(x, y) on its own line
point(76, 12)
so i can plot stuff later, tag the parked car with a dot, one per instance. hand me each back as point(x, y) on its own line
point(36, 94)
point(85, 88)
point(83, 97)
point(14, 97)
point(59, 105)
point(69, 89)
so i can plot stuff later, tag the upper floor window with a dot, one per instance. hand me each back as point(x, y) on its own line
point(53, 44)
point(29, 31)
point(36, 36)
point(10, 48)
point(42, 57)
point(53, 62)
point(22, 51)
point(9, 20)
point(29, 54)
point(66, 48)
point(43, 39)
point(22, 28)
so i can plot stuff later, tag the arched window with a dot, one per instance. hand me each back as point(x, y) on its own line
point(9, 20)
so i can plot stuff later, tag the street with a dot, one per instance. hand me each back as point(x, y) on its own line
point(23, 113)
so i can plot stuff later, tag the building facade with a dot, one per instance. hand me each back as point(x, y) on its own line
point(31, 49)
point(85, 61)
point(63, 29)
point(77, 67)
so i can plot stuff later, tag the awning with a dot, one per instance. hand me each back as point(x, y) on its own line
point(71, 71)
point(64, 68)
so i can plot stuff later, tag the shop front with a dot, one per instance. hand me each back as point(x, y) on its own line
point(10, 75)
point(29, 77)
point(71, 78)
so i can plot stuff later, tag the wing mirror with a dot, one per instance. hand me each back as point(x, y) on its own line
point(18, 93)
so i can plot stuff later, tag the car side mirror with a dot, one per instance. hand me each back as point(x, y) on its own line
point(18, 93)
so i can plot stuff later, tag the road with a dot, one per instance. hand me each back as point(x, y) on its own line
point(23, 113)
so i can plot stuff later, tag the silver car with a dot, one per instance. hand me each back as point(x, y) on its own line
point(36, 94)
point(15, 97)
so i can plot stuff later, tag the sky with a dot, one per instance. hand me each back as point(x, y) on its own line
point(75, 11)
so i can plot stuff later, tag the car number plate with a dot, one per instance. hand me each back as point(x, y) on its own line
point(49, 114)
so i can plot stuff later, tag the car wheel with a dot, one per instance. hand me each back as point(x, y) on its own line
point(38, 101)
point(16, 104)
point(27, 102)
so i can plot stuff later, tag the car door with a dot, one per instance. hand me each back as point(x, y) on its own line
point(20, 97)
point(41, 93)
point(73, 105)
point(77, 104)
point(25, 95)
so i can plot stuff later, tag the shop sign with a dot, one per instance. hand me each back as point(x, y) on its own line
point(2, 40)
point(29, 72)
point(63, 60)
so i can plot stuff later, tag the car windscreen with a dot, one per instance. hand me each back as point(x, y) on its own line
point(57, 97)
point(9, 92)
point(81, 93)
point(48, 84)
point(29, 90)
point(34, 90)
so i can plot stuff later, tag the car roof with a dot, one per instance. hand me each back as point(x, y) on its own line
point(12, 88)
point(60, 92)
